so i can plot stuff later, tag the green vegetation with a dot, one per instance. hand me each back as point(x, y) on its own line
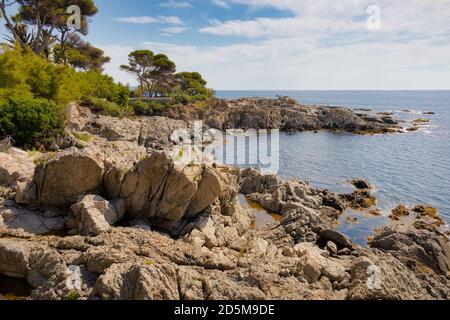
point(30, 121)
point(146, 108)
point(45, 89)
point(45, 64)
point(190, 87)
point(23, 73)
point(80, 55)
point(149, 262)
point(84, 137)
point(104, 107)
point(73, 295)
point(154, 72)
point(157, 78)
point(41, 24)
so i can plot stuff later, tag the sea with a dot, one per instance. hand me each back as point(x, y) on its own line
point(408, 169)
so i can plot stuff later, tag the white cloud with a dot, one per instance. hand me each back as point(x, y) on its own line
point(221, 3)
point(324, 44)
point(172, 30)
point(119, 56)
point(176, 4)
point(271, 28)
point(413, 18)
point(296, 63)
point(151, 20)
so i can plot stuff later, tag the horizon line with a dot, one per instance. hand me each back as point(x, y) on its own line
point(337, 90)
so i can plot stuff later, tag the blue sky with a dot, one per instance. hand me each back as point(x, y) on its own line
point(285, 44)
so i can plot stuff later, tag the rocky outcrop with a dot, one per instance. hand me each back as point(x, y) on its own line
point(144, 131)
point(151, 186)
point(93, 215)
point(285, 114)
point(129, 263)
point(168, 193)
point(361, 184)
point(378, 276)
point(129, 281)
point(62, 179)
point(30, 222)
point(305, 211)
point(117, 219)
point(420, 245)
point(15, 166)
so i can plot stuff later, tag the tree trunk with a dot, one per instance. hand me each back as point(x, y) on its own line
point(9, 24)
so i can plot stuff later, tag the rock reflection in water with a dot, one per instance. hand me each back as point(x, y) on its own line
point(263, 216)
point(13, 289)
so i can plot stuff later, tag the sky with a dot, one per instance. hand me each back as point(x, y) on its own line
point(285, 44)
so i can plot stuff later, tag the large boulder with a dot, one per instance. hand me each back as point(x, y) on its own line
point(13, 258)
point(419, 249)
point(81, 119)
point(212, 185)
point(170, 193)
point(315, 263)
point(382, 277)
point(129, 281)
point(15, 167)
point(92, 215)
point(114, 129)
point(158, 130)
point(62, 179)
point(145, 183)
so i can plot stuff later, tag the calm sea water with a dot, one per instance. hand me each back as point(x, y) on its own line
point(410, 169)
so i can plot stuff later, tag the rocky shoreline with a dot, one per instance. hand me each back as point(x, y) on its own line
point(111, 215)
point(285, 114)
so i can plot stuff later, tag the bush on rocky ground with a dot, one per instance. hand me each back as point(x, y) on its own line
point(104, 107)
point(25, 74)
point(146, 108)
point(31, 121)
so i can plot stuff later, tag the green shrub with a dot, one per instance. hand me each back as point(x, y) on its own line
point(31, 121)
point(191, 87)
point(84, 137)
point(73, 295)
point(104, 107)
point(140, 108)
point(180, 98)
point(96, 84)
point(146, 108)
point(23, 73)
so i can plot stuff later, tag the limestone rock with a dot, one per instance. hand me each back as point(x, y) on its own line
point(15, 167)
point(212, 185)
point(65, 177)
point(384, 277)
point(13, 258)
point(283, 113)
point(30, 222)
point(92, 215)
point(415, 248)
point(138, 282)
point(158, 130)
point(26, 192)
point(338, 238)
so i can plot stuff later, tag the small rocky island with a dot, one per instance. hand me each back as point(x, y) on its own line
point(108, 214)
